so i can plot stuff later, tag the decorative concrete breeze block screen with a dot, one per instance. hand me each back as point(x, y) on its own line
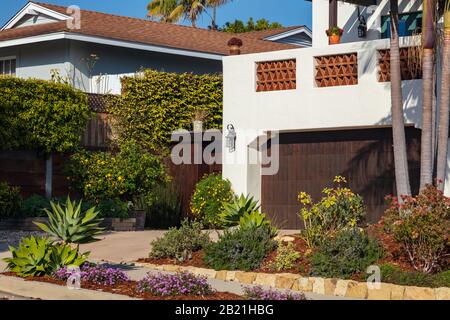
point(337, 70)
point(410, 64)
point(276, 75)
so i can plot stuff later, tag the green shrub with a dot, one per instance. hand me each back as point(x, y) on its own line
point(38, 256)
point(340, 208)
point(394, 274)
point(233, 211)
point(345, 253)
point(34, 206)
point(104, 175)
point(180, 243)
point(285, 258)
point(239, 249)
point(155, 104)
point(112, 208)
point(422, 225)
point(9, 200)
point(71, 224)
point(164, 211)
point(41, 115)
point(209, 198)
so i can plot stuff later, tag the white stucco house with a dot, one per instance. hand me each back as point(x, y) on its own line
point(43, 38)
point(331, 108)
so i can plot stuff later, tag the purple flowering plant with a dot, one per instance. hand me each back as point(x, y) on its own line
point(94, 273)
point(180, 284)
point(258, 293)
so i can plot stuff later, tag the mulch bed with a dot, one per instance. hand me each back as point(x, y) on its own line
point(129, 289)
point(196, 261)
point(302, 266)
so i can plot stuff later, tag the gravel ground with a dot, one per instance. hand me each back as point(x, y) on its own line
point(12, 238)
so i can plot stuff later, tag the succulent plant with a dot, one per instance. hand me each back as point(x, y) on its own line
point(38, 256)
point(233, 211)
point(70, 225)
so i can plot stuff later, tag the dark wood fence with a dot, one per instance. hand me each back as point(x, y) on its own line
point(28, 171)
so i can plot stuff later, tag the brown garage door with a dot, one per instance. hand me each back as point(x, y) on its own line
point(310, 160)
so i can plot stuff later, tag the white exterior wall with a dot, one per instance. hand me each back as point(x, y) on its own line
point(348, 19)
point(307, 107)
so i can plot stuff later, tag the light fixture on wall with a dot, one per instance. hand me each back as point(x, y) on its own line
point(230, 138)
point(362, 27)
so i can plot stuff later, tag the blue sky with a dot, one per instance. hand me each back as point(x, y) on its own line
point(287, 12)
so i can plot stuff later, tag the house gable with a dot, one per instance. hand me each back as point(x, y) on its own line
point(34, 14)
point(301, 36)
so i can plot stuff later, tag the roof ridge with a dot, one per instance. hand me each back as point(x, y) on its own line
point(128, 17)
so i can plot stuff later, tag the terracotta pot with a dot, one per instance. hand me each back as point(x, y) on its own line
point(198, 125)
point(334, 39)
point(235, 50)
point(140, 216)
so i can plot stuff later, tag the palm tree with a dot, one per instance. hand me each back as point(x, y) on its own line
point(174, 10)
point(445, 102)
point(398, 123)
point(214, 4)
point(428, 38)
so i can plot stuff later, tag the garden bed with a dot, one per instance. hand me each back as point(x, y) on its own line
point(129, 289)
point(403, 274)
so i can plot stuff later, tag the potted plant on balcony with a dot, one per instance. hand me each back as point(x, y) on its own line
point(334, 35)
point(235, 45)
point(199, 117)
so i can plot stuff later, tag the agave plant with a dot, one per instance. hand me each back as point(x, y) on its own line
point(38, 256)
point(233, 211)
point(62, 255)
point(256, 220)
point(70, 225)
point(30, 258)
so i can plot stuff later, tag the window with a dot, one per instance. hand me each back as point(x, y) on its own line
point(8, 66)
point(408, 24)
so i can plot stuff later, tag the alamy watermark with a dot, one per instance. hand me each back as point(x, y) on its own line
point(211, 147)
point(74, 21)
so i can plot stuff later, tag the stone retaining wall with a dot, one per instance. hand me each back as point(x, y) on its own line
point(330, 287)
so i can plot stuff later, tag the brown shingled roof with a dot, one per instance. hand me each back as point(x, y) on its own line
point(267, 33)
point(145, 32)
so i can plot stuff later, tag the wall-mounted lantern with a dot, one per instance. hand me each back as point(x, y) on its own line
point(362, 27)
point(230, 138)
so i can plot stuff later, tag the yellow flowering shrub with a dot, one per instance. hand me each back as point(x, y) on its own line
point(105, 175)
point(209, 198)
point(338, 209)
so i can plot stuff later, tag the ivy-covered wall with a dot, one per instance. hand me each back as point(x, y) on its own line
point(154, 104)
point(41, 115)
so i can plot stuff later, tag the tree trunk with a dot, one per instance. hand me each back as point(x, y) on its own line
point(444, 107)
point(426, 146)
point(398, 124)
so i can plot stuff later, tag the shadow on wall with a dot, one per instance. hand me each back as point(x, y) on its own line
point(351, 26)
point(379, 155)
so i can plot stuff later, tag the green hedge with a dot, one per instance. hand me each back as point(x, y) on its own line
point(41, 115)
point(154, 104)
